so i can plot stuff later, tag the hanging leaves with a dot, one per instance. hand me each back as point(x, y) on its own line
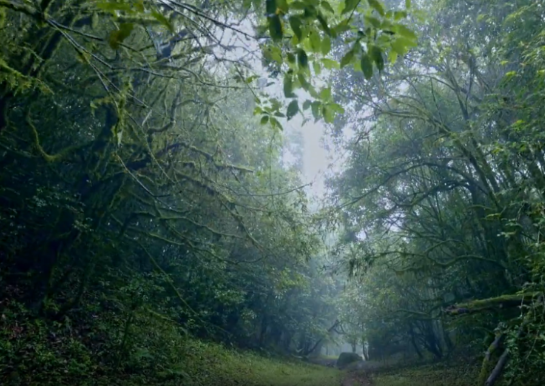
point(366, 66)
point(118, 36)
point(377, 6)
point(275, 28)
point(302, 58)
point(312, 30)
point(288, 85)
point(347, 58)
point(293, 109)
point(350, 5)
point(376, 54)
point(295, 24)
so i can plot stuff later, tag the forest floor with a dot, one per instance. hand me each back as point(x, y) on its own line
point(447, 373)
point(33, 353)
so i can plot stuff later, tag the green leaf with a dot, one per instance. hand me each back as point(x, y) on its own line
point(325, 94)
point(117, 37)
point(329, 114)
point(336, 108)
point(139, 6)
point(276, 54)
point(264, 119)
point(326, 45)
point(350, 5)
point(377, 6)
point(317, 68)
point(343, 26)
point(295, 23)
point(304, 83)
point(293, 108)
point(366, 66)
point(302, 58)
point(291, 58)
point(276, 124)
point(406, 32)
point(398, 15)
point(282, 5)
point(270, 7)
point(407, 4)
point(126, 29)
point(401, 45)
point(376, 55)
point(330, 64)
point(392, 56)
point(163, 20)
point(316, 109)
point(299, 5)
point(323, 23)
point(288, 86)
point(275, 28)
point(325, 5)
point(307, 104)
point(373, 21)
point(315, 41)
point(347, 58)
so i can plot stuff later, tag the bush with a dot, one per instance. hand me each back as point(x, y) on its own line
point(347, 358)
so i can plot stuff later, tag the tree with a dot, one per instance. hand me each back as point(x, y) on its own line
point(441, 179)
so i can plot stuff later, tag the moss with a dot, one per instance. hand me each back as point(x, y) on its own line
point(504, 301)
point(2, 17)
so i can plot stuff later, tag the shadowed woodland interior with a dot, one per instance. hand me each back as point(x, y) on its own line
point(158, 224)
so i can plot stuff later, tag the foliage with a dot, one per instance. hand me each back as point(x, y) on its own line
point(56, 354)
point(304, 32)
point(440, 201)
point(141, 202)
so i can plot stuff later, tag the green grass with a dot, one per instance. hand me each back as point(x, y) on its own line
point(234, 368)
point(444, 374)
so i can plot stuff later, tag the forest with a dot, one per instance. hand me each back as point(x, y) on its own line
point(158, 225)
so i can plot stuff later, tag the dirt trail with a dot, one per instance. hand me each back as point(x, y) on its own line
point(356, 378)
point(353, 377)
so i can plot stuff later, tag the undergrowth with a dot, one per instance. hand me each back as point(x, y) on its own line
point(447, 373)
point(99, 349)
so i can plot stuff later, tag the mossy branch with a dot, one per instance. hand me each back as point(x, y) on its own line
point(48, 157)
point(487, 361)
point(504, 301)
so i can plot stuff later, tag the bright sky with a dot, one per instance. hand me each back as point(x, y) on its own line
point(315, 156)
